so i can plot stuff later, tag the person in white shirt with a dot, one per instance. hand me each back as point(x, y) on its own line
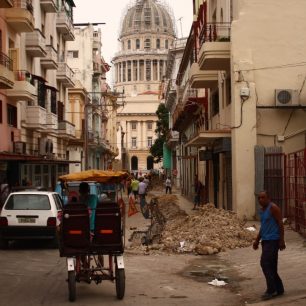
point(168, 185)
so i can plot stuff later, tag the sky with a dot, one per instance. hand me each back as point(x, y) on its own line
point(111, 12)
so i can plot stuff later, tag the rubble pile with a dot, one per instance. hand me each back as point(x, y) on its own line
point(208, 232)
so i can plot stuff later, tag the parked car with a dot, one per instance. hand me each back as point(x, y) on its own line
point(72, 190)
point(30, 215)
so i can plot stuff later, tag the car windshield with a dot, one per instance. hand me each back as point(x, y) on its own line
point(28, 202)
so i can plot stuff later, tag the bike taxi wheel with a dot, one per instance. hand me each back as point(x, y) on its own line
point(120, 283)
point(71, 286)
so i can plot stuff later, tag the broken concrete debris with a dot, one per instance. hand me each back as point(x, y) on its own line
point(208, 231)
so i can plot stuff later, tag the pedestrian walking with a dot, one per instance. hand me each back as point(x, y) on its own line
point(142, 190)
point(168, 185)
point(271, 235)
point(197, 192)
point(128, 185)
point(135, 186)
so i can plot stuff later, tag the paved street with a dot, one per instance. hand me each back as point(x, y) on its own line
point(34, 274)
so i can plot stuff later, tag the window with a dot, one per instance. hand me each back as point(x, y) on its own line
point(134, 125)
point(129, 71)
point(51, 40)
point(12, 115)
point(157, 43)
point(148, 70)
point(166, 44)
point(73, 54)
point(150, 140)
point(150, 125)
point(28, 202)
point(147, 44)
point(0, 111)
point(129, 44)
point(134, 142)
point(137, 44)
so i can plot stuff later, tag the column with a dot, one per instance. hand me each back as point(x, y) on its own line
point(126, 71)
point(128, 135)
point(144, 70)
point(158, 70)
point(121, 72)
point(139, 143)
point(138, 71)
point(145, 136)
point(132, 70)
point(152, 76)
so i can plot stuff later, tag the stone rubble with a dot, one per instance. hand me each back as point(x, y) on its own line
point(208, 231)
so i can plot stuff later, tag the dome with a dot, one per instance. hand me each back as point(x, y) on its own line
point(147, 16)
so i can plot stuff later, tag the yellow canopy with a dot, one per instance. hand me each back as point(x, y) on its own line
point(100, 176)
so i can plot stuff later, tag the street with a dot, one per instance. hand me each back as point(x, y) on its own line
point(34, 274)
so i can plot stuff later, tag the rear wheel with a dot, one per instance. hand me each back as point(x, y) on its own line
point(120, 283)
point(71, 286)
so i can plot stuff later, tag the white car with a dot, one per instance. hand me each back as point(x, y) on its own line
point(30, 215)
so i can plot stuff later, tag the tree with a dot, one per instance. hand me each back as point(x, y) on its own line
point(162, 131)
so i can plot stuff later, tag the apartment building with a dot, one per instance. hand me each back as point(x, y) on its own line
point(93, 107)
point(35, 94)
point(248, 132)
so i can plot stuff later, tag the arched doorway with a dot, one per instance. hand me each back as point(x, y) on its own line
point(150, 163)
point(134, 163)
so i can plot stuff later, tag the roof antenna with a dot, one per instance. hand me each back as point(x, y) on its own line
point(180, 20)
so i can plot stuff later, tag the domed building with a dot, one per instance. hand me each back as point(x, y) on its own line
point(147, 32)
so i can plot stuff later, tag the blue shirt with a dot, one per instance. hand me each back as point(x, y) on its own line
point(269, 229)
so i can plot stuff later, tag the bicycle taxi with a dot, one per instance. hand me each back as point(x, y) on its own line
point(94, 254)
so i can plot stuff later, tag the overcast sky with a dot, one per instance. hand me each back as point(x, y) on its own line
point(111, 12)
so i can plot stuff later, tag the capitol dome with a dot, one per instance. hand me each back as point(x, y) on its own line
point(147, 16)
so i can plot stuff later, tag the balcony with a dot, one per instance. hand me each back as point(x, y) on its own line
point(49, 6)
point(65, 75)
point(50, 60)
point(52, 122)
point(6, 72)
point(35, 44)
point(96, 41)
point(36, 117)
point(215, 51)
point(6, 3)
point(20, 16)
point(202, 79)
point(66, 129)
point(173, 138)
point(24, 89)
point(64, 25)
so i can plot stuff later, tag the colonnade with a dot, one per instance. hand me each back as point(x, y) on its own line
point(140, 70)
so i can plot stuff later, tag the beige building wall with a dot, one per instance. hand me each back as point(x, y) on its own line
point(265, 55)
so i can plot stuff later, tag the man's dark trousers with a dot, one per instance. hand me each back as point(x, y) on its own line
point(268, 262)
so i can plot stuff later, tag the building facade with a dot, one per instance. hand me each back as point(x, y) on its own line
point(34, 90)
point(248, 111)
point(94, 107)
point(147, 32)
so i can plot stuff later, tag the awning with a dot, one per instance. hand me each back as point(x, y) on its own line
point(208, 138)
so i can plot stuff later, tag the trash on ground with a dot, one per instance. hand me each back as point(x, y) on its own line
point(217, 283)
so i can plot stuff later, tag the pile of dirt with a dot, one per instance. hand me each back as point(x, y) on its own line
point(209, 231)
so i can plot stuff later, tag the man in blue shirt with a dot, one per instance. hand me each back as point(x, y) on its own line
point(271, 235)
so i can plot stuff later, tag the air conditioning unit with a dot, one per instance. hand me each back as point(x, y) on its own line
point(286, 97)
point(19, 147)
